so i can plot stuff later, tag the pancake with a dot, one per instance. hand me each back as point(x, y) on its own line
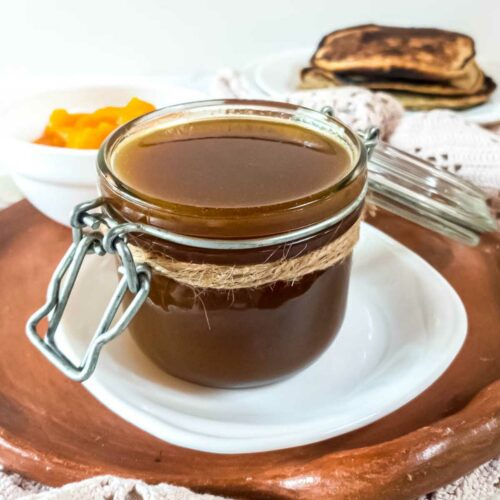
point(410, 53)
point(311, 78)
point(422, 102)
point(469, 83)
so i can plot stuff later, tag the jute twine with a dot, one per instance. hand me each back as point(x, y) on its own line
point(226, 277)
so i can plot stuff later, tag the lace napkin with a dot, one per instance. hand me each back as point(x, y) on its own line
point(481, 484)
point(13, 486)
point(453, 144)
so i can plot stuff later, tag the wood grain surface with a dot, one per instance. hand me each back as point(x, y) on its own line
point(52, 430)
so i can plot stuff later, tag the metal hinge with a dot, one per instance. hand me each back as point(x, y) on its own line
point(87, 222)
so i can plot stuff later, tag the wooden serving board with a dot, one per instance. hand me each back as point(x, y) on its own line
point(52, 430)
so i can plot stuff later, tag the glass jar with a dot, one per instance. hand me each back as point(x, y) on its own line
point(253, 335)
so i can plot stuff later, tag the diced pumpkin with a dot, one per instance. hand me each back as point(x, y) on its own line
point(50, 138)
point(134, 109)
point(89, 130)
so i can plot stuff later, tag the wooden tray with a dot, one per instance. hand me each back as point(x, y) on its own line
point(52, 430)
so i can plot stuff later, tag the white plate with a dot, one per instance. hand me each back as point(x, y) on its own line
point(278, 74)
point(404, 326)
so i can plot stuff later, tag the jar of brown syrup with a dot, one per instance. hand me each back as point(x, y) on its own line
point(234, 222)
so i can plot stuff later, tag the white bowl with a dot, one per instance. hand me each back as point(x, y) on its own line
point(56, 179)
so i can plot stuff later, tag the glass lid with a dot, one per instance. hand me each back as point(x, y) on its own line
point(416, 190)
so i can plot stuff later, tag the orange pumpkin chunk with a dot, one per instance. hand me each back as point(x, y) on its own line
point(89, 130)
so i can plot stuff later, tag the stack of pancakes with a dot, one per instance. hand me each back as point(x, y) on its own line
point(422, 67)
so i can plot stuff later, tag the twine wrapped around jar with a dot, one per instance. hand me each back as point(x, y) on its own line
point(227, 277)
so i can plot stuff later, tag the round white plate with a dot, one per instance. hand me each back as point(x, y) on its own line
point(404, 326)
point(278, 74)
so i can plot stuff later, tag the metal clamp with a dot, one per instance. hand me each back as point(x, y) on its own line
point(88, 240)
point(370, 136)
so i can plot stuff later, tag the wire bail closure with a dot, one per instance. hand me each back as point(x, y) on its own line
point(88, 240)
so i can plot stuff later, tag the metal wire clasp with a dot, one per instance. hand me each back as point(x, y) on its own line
point(87, 221)
point(370, 136)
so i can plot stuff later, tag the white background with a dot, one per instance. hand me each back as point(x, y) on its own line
point(113, 37)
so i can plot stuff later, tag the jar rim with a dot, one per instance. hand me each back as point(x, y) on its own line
point(179, 114)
